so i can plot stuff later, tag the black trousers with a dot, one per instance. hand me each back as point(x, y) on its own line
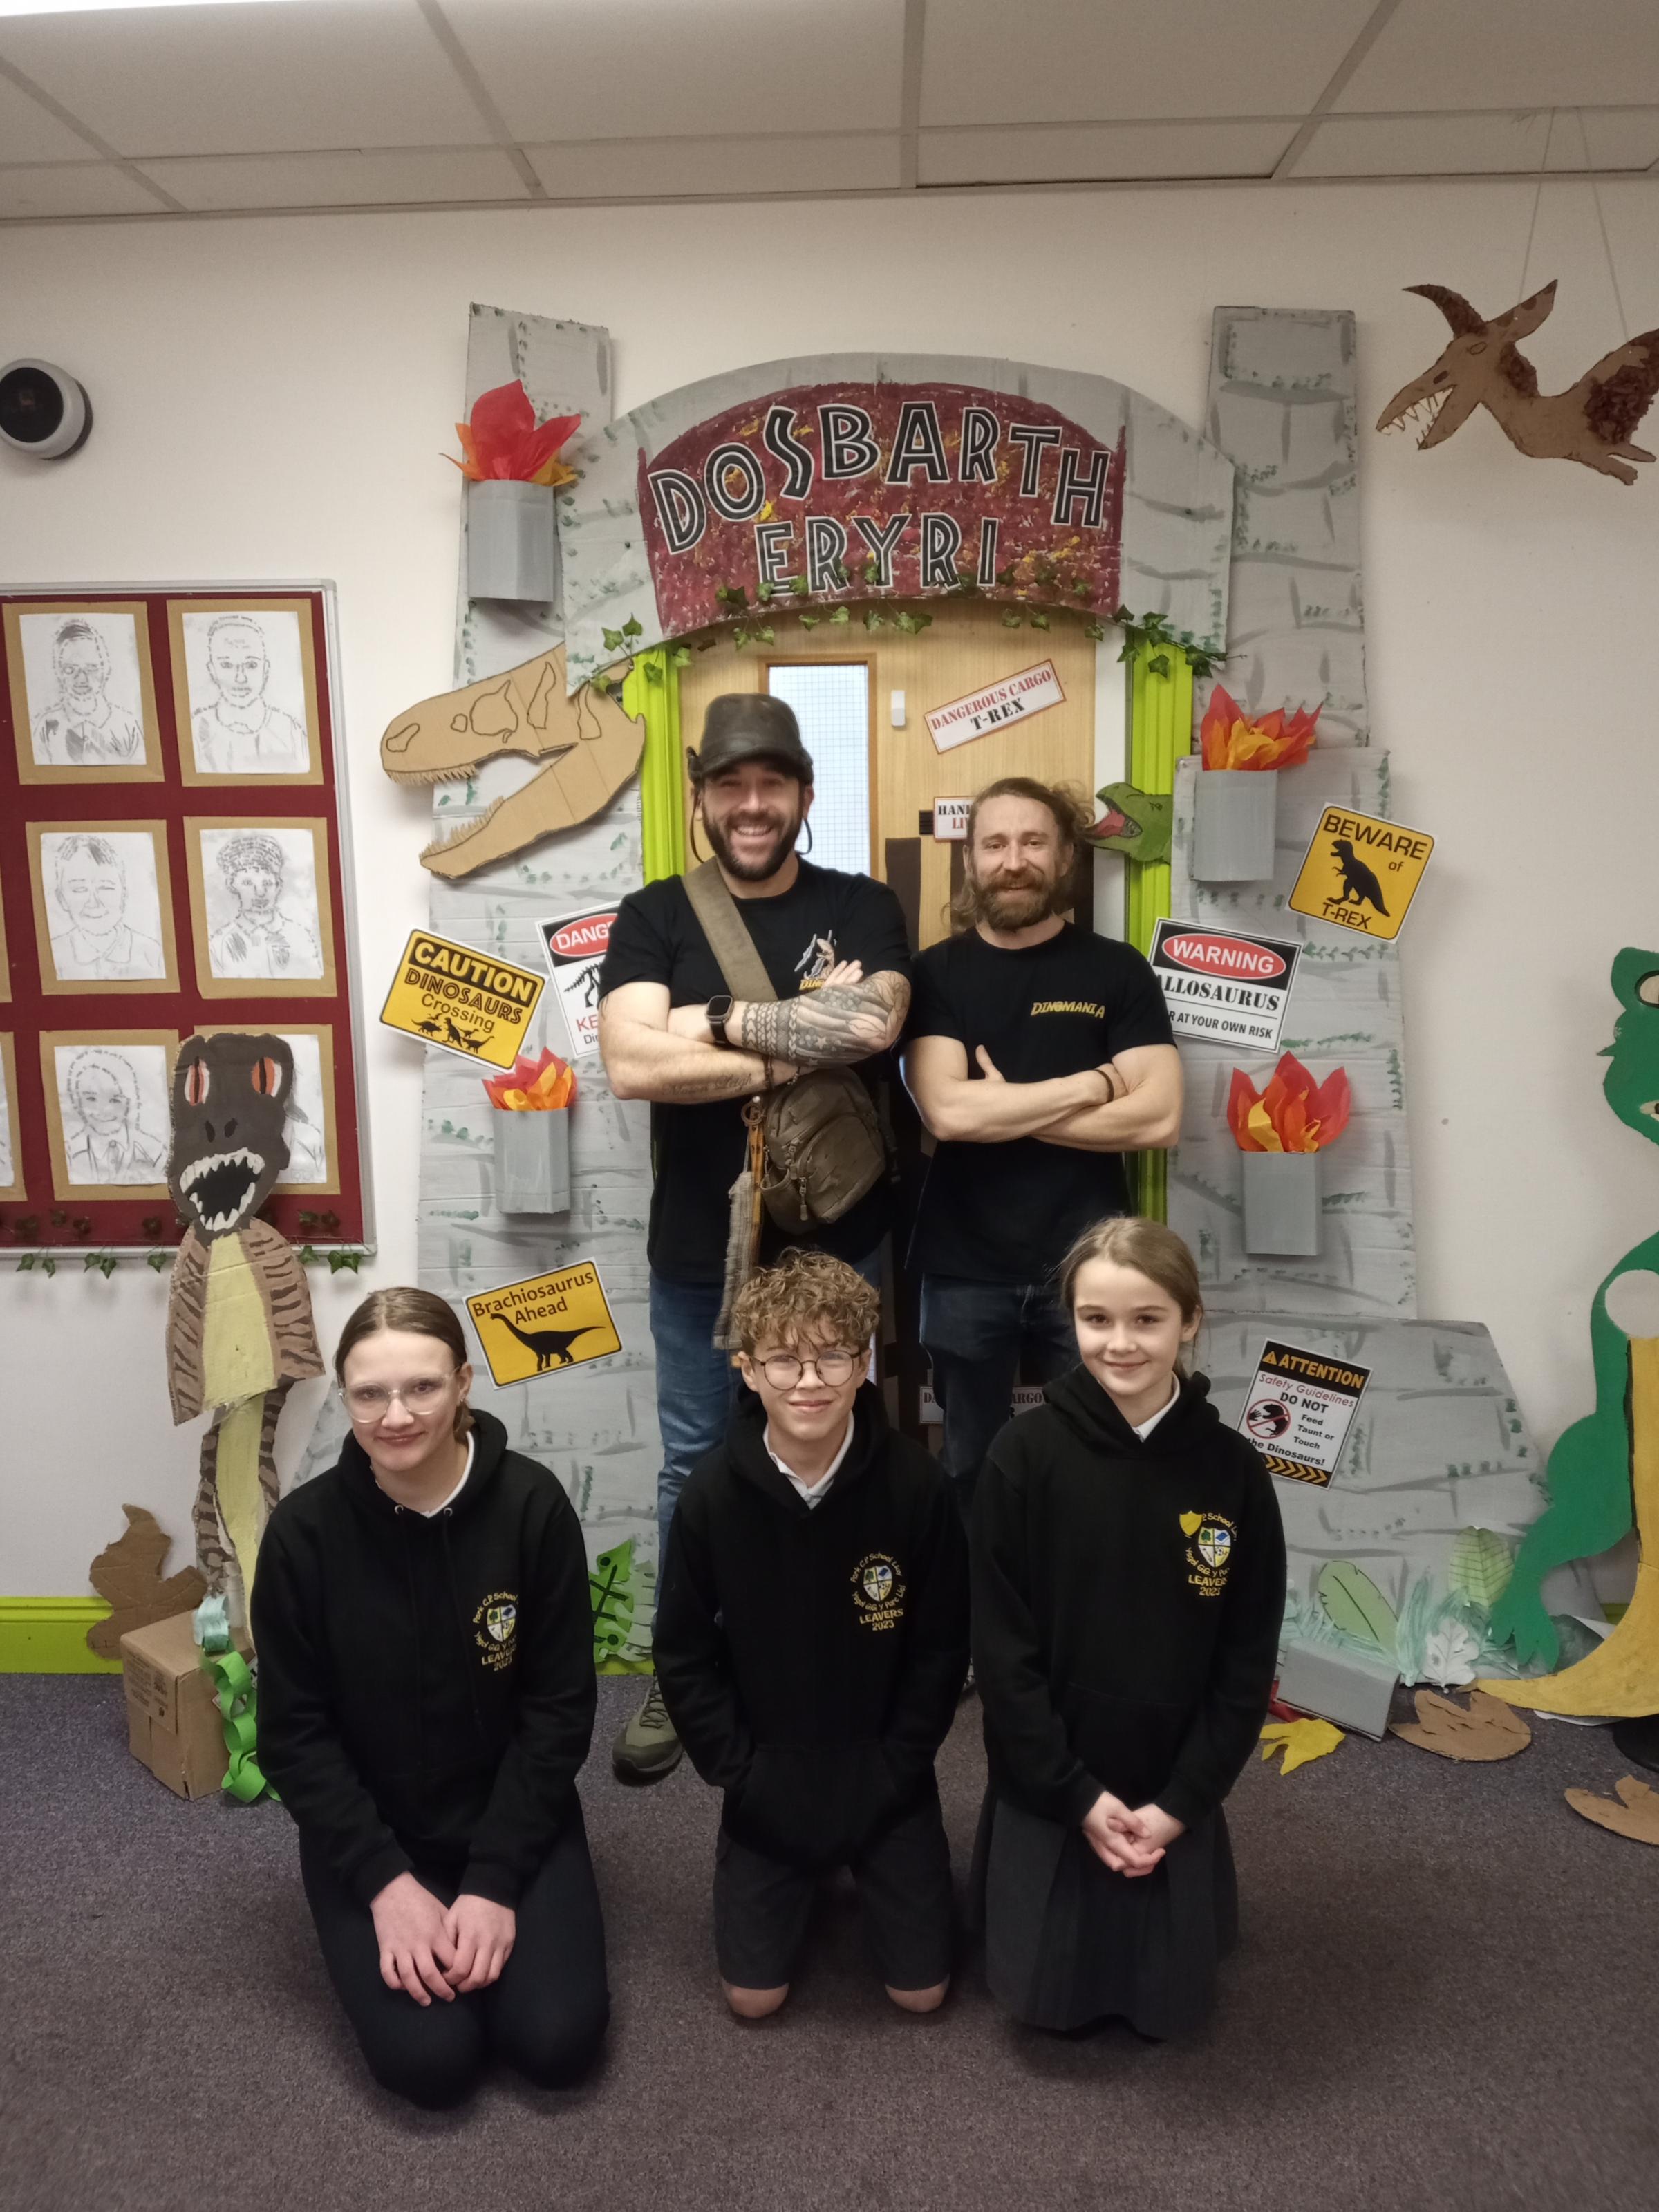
point(546, 2014)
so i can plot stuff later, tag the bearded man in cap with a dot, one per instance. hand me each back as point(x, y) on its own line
point(836, 949)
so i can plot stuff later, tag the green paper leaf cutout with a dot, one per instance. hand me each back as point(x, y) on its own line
point(610, 1590)
point(1481, 1565)
point(1354, 1604)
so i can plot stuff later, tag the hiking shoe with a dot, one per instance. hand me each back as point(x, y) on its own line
point(647, 1748)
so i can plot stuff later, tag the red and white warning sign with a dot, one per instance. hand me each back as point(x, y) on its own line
point(574, 945)
point(1224, 985)
point(1015, 699)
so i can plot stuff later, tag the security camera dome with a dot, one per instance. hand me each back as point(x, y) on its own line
point(44, 411)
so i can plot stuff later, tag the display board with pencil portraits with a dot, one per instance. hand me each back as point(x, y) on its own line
point(173, 859)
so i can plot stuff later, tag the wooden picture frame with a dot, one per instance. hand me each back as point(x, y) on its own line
point(148, 767)
point(11, 1128)
point(108, 1046)
point(53, 982)
point(238, 748)
point(306, 938)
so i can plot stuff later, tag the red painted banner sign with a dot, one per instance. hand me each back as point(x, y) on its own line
point(881, 490)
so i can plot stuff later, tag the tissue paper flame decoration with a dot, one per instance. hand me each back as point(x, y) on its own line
point(1293, 1113)
point(502, 440)
point(534, 1086)
point(1231, 740)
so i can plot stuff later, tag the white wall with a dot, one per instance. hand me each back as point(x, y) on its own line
point(271, 400)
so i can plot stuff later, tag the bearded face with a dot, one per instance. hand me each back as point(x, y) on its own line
point(230, 1100)
point(1018, 868)
point(753, 815)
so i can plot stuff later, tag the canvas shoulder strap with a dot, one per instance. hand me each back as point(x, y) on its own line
point(728, 940)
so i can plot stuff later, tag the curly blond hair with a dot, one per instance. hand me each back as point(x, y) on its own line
point(807, 1298)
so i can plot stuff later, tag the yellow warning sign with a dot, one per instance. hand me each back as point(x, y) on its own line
point(1361, 873)
point(545, 1324)
point(469, 1002)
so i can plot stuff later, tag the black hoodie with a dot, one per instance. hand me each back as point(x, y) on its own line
point(1127, 1597)
point(426, 1686)
point(811, 1657)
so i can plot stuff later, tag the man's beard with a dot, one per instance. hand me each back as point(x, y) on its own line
point(1017, 900)
point(753, 871)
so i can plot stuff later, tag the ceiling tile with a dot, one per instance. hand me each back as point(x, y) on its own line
point(349, 180)
point(636, 69)
point(1509, 53)
point(1474, 145)
point(1074, 61)
point(637, 168)
point(1076, 153)
point(29, 133)
point(262, 77)
point(71, 188)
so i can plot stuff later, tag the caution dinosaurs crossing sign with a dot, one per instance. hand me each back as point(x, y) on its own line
point(470, 1003)
point(1360, 873)
point(544, 1324)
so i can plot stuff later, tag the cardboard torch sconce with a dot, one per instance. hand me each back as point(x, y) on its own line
point(1592, 422)
point(590, 745)
point(239, 1331)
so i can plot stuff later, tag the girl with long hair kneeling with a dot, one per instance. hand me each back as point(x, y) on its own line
point(1128, 1584)
point(426, 1699)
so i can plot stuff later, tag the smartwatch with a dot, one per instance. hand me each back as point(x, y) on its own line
point(719, 1011)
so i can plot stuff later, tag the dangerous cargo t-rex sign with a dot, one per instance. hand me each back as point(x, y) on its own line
point(848, 477)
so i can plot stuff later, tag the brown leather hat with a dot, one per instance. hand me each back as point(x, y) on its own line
point(744, 726)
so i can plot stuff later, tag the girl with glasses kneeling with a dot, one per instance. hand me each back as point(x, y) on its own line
point(426, 1699)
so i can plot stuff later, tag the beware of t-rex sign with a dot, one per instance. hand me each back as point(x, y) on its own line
point(1360, 873)
point(544, 1324)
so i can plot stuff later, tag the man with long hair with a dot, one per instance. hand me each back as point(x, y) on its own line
point(1037, 1053)
point(836, 952)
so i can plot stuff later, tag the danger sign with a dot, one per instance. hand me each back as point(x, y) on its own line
point(1361, 873)
point(575, 947)
point(1299, 1410)
point(1015, 699)
point(544, 1324)
point(1221, 985)
point(468, 1002)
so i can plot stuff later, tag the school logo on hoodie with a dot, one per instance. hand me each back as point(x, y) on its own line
point(1210, 1552)
point(878, 1590)
point(495, 1626)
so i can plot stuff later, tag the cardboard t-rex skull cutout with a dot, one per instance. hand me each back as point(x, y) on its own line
point(230, 1100)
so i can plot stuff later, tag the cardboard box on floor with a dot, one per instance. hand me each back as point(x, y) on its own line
point(174, 1725)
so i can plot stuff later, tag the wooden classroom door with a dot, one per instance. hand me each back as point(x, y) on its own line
point(848, 686)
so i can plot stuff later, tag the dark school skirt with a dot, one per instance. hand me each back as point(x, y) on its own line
point(1067, 1941)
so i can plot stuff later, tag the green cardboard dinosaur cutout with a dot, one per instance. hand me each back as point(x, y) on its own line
point(1589, 1470)
point(1136, 824)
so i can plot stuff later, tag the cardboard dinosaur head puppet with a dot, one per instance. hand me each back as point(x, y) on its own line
point(1630, 1086)
point(230, 1102)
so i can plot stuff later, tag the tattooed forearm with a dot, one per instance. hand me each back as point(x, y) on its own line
point(843, 1022)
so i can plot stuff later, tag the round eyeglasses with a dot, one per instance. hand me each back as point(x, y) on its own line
point(372, 1401)
point(783, 1370)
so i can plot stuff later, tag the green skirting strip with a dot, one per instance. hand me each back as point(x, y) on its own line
point(48, 1636)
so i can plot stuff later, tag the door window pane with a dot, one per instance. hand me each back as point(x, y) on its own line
point(831, 701)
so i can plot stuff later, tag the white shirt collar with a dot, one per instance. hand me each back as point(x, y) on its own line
point(430, 1512)
point(813, 1493)
point(1143, 1429)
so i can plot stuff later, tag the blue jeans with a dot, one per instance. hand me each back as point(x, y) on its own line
point(978, 1336)
point(696, 1385)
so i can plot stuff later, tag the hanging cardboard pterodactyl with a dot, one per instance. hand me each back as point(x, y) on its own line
point(592, 748)
point(1592, 422)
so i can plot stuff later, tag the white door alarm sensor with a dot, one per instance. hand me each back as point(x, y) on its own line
point(44, 411)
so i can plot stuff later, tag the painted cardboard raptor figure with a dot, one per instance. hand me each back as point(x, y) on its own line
point(240, 1327)
point(1605, 1465)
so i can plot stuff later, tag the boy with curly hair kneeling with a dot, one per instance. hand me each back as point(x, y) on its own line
point(811, 1641)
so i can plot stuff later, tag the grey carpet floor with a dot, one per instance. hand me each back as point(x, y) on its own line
point(1447, 1996)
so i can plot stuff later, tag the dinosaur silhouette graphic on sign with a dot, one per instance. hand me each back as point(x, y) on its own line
point(550, 1345)
point(1358, 883)
point(1592, 422)
point(459, 1038)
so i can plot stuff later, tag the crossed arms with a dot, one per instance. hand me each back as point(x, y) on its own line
point(652, 1050)
point(1130, 1104)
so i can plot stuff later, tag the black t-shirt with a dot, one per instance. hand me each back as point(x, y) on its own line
point(1007, 1213)
point(697, 1151)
